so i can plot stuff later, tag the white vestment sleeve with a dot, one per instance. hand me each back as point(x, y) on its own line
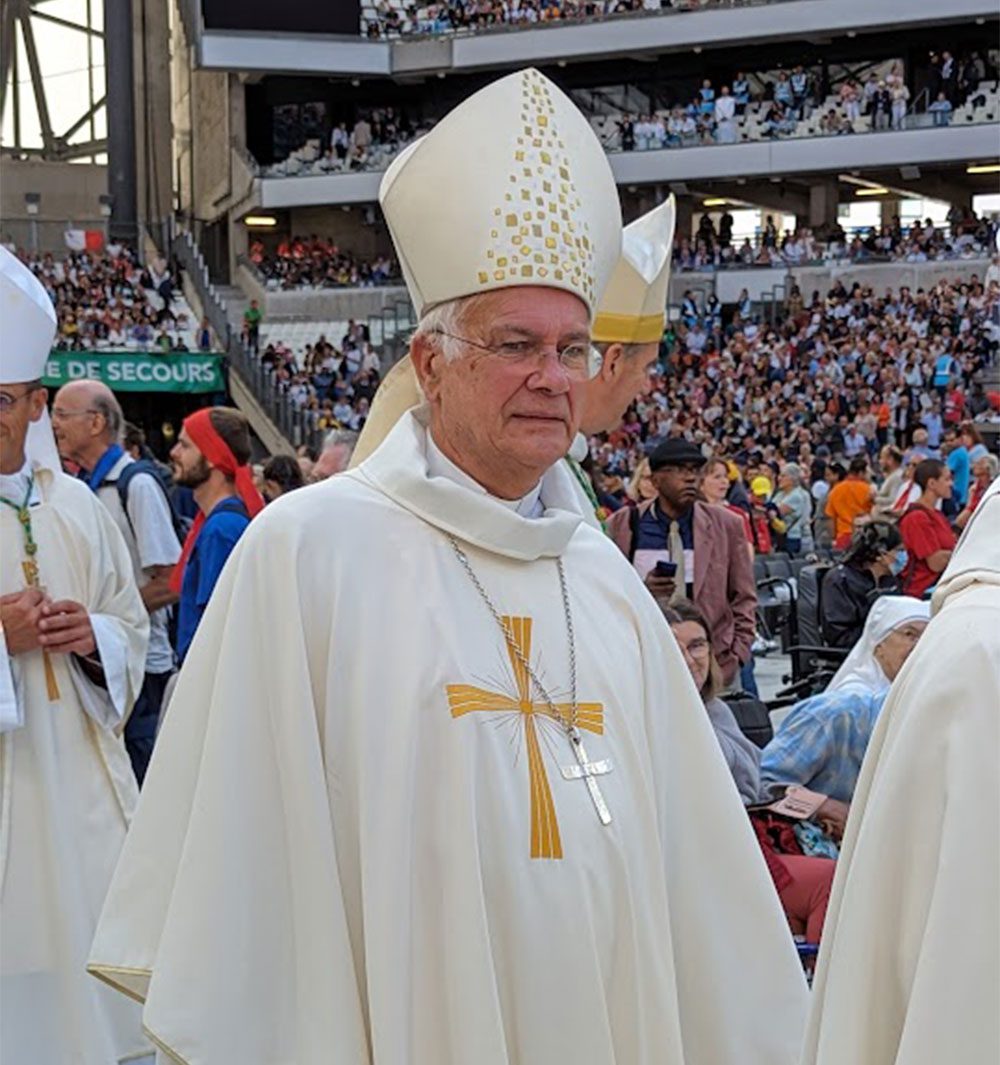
point(228, 882)
point(742, 994)
point(909, 967)
point(121, 629)
point(11, 713)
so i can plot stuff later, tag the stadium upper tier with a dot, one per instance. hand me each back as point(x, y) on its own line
point(311, 177)
point(714, 24)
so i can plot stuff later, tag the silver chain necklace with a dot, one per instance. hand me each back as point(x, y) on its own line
point(585, 769)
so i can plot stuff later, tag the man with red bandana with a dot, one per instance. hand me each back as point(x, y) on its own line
point(211, 456)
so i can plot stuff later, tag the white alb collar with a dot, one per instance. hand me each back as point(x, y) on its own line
point(399, 468)
point(439, 465)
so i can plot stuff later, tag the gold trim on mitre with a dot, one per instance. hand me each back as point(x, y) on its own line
point(633, 307)
point(510, 188)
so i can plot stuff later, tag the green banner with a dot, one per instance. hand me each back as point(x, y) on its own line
point(135, 371)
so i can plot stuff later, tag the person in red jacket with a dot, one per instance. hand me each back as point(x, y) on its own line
point(927, 535)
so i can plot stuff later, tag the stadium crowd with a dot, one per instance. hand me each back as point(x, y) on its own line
point(390, 18)
point(109, 300)
point(315, 262)
point(777, 103)
point(838, 378)
point(966, 236)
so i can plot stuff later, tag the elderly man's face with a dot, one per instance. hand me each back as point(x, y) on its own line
point(506, 421)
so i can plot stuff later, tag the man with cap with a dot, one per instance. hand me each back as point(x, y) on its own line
point(626, 332)
point(210, 457)
point(909, 971)
point(479, 850)
point(72, 651)
point(684, 548)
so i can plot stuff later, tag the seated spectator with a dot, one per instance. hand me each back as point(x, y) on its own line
point(891, 630)
point(821, 743)
point(927, 535)
point(941, 110)
point(803, 883)
point(869, 569)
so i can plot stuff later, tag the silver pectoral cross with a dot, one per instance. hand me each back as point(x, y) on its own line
point(587, 771)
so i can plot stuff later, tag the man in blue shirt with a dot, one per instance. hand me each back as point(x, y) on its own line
point(934, 425)
point(957, 458)
point(211, 456)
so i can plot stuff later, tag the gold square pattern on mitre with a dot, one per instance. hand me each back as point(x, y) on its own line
point(537, 234)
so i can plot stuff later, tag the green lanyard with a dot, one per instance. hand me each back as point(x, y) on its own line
point(584, 481)
point(30, 569)
point(24, 517)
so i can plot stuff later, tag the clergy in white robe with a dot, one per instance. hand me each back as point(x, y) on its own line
point(71, 664)
point(909, 970)
point(435, 786)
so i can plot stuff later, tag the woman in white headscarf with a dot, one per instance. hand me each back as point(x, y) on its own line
point(892, 628)
point(910, 968)
point(822, 742)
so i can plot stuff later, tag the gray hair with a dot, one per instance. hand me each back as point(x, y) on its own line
point(992, 464)
point(109, 408)
point(347, 437)
point(449, 317)
point(793, 470)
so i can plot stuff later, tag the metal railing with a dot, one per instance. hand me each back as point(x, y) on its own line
point(294, 423)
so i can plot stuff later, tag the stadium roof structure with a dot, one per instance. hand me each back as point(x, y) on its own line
point(49, 111)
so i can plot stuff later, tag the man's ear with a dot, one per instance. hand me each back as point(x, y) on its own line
point(39, 397)
point(611, 364)
point(428, 364)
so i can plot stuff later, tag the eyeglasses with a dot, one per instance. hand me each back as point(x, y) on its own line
point(697, 648)
point(581, 361)
point(8, 401)
point(59, 413)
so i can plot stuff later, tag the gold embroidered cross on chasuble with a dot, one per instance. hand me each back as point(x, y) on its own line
point(467, 699)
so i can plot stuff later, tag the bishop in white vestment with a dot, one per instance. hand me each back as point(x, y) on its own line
point(435, 786)
point(66, 784)
point(909, 970)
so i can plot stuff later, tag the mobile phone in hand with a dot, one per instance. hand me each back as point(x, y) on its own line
point(665, 569)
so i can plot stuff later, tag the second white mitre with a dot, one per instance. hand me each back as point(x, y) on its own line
point(534, 204)
point(634, 305)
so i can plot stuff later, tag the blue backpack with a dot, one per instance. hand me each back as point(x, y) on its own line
point(182, 525)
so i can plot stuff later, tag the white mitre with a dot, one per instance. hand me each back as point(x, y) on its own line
point(27, 322)
point(633, 308)
point(27, 329)
point(511, 188)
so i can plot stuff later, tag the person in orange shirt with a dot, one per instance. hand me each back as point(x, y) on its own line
point(848, 501)
point(884, 416)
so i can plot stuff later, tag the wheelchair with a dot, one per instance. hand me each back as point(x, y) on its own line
point(789, 612)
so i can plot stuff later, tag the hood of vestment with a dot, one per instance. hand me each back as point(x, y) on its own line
point(977, 555)
point(399, 469)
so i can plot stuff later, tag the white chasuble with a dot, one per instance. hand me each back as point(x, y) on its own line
point(66, 787)
point(356, 842)
point(909, 969)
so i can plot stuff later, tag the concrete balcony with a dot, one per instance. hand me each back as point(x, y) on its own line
point(762, 159)
point(636, 34)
